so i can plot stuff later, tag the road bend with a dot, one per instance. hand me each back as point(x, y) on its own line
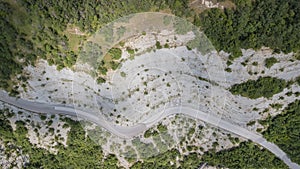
point(131, 131)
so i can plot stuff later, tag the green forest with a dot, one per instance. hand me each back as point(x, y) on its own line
point(246, 155)
point(253, 24)
point(262, 87)
point(284, 130)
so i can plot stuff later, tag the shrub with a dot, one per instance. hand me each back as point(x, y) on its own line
point(269, 62)
point(115, 53)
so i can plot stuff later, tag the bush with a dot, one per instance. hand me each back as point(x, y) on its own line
point(123, 74)
point(102, 70)
point(228, 69)
point(100, 80)
point(157, 44)
point(148, 133)
point(162, 128)
point(43, 117)
point(115, 53)
point(130, 51)
point(269, 62)
point(114, 65)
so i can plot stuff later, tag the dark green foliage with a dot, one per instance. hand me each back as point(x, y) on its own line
point(262, 87)
point(254, 63)
point(269, 62)
point(147, 133)
point(5, 128)
point(158, 45)
point(110, 162)
point(162, 128)
point(228, 69)
point(251, 123)
point(43, 117)
point(284, 130)
point(191, 161)
point(161, 161)
point(150, 132)
point(253, 24)
point(246, 155)
point(49, 122)
point(297, 55)
point(191, 132)
point(166, 46)
point(100, 80)
point(276, 106)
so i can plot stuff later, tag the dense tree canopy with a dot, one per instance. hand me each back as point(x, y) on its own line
point(247, 155)
point(284, 130)
point(253, 24)
point(262, 87)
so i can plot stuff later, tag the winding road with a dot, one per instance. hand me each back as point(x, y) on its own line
point(128, 132)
